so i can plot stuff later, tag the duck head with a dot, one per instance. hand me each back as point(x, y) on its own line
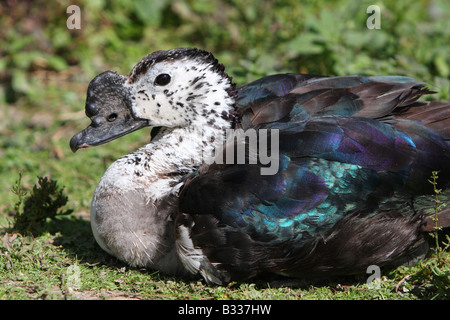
point(108, 106)
point(180, 88)
point(174, 89)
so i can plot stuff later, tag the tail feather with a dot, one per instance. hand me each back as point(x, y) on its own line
point(434, 115)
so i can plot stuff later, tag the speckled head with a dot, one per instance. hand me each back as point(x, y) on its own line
point(175, 88)
point(179, 88)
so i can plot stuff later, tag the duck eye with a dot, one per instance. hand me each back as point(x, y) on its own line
point(162, 79)
point(112, 117)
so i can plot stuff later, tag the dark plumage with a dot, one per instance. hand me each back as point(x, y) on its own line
point(354, 155)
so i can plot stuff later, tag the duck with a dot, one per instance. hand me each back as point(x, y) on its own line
point(291, 175)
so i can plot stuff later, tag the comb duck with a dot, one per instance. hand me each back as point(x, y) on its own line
point(322, 176)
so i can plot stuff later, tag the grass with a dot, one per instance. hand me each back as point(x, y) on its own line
point(67, 264)
point(44, 73)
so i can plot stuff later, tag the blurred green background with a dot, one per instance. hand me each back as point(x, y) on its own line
point(45, 67)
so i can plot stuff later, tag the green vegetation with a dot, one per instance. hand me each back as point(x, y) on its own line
point(44, 72)
point(32, 212)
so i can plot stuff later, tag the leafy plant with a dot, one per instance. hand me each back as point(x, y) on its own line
point(432, 277)
point(42, 203)
point(438, 250)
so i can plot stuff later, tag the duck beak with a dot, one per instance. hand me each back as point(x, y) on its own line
point(105, 128)
point(108, 105)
